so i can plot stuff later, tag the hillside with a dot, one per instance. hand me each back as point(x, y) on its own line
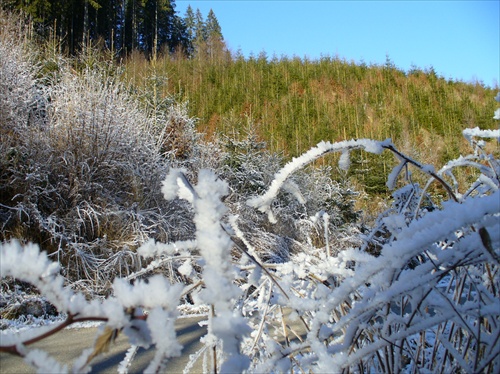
point(295, 103)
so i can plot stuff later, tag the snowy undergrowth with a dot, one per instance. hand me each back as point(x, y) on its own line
point(424, 298)
point(81, 163)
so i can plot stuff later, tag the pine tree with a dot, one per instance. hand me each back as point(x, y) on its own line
point(155, 24)
point(200, 32)
point(215, 41)
point(36, 10)
point(130, 40)
point(109, 20)
point(212, 27)
point(190, 24)
point(180, 39)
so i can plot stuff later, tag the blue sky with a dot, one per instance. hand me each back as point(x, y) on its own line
point(459, 39)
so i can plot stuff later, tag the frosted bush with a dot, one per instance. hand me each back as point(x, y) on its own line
point(18, 92)
point(249, 168)
point(82, 162)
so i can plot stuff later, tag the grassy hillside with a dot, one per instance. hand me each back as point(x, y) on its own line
point(294, 103)
point(298, 102)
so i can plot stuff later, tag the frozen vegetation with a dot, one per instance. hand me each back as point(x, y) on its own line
point(136, 218)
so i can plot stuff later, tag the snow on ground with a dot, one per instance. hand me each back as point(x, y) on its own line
point(26, 322)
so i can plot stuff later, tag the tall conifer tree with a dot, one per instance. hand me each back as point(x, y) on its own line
point(212, 27)
point(215, 41)
point(190, 23)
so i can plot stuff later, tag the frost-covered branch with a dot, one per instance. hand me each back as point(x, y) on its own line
point(218, 273)
point(263, 202)
point(157, 295)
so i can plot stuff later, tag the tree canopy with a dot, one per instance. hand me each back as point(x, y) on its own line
point(124, 25)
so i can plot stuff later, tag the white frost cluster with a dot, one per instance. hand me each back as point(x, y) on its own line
point(161, 325)
point(479, 133)
point(215, 247)
point(157, 291)
point(151, 248)
point(176, 185)
point(263, 202)
point(26, 262)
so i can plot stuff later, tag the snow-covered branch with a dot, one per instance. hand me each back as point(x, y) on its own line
point(263, 202)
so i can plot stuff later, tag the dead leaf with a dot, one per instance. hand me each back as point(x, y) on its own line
point(103, 342)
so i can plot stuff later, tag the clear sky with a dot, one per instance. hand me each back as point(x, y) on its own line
point(459, 39)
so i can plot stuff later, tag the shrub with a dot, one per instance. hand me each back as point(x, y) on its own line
point(81, 165)
point(307, 197)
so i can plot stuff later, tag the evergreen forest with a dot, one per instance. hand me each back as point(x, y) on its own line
point(148, 26)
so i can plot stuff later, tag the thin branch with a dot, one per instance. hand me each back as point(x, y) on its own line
point(448, 189)
point(71, 319)
point(243, 250)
